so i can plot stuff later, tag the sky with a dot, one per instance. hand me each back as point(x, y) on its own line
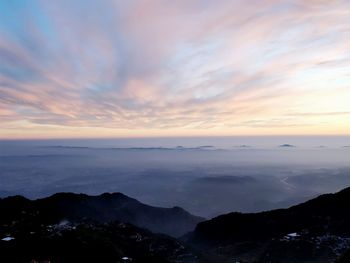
point(80, 69)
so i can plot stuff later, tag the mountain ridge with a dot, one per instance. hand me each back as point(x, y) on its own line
point(106, 207)
point(322, 222)
point(314, 231)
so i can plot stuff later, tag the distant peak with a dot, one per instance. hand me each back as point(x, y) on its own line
point(287, 145)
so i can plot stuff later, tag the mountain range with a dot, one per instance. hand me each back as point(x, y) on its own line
point(107, 207)
point(112, 227)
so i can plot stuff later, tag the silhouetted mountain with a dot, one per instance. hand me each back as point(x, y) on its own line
point(104, 208)
point(315, 231)
point(80, 228)
point(67, 228)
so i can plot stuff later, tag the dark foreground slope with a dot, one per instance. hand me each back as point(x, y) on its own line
point(78, 228)
point(315, 231)
point(104, 208)
point(86, 242)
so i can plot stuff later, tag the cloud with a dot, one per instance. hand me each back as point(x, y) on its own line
point(174, 65)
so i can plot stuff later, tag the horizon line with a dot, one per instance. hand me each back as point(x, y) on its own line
point(170, 137)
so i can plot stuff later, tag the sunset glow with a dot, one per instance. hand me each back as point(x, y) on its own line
point(174, 68)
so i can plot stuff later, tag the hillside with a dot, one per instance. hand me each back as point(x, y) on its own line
point(314, 231)
point(104, 208)
point(80, 228)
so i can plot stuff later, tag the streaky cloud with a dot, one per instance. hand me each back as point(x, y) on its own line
point(165, 67)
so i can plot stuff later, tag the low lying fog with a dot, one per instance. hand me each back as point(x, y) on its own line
point(207, 179)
